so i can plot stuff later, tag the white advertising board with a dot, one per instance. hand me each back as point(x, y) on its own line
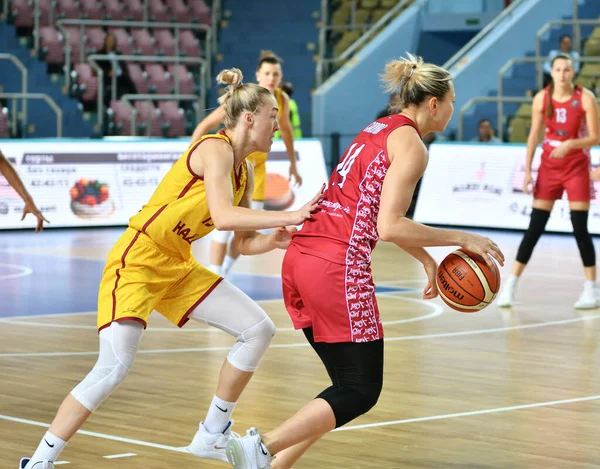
point(104, 183)
point(481, 185)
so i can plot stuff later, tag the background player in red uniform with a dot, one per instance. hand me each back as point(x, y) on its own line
point(327, 283)
point(570, 114)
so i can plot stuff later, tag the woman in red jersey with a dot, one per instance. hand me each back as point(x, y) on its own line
point(570, 114)
point(327, 283)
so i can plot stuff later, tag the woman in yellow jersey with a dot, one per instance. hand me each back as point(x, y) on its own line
point(151, 267)
point(223, 252)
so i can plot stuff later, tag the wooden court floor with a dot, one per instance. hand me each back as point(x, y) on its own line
point(498, 389)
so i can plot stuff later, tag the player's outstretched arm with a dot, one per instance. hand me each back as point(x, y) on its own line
point(15, 181)
point(213, 161)
point(408, 162)
point(251, 243)
point(210, 122)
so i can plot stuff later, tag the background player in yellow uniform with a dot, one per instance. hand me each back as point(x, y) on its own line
point(151, 267)
point(223, 252)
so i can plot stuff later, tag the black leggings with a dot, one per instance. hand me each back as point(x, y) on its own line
point(356, 372)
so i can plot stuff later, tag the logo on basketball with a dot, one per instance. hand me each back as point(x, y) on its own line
point(466, 283)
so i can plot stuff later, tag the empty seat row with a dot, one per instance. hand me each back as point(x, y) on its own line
point(22, 11)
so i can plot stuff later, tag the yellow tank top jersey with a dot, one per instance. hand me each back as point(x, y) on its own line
point(177, 213)
point(259, 159)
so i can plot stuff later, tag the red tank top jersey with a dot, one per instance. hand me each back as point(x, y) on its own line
point(344, 231)
point(567, 122)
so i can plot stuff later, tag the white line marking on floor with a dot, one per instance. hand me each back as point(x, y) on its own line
point(24, 271)
point(117, 456)
point(60, 463)
point(467, 414)
point(305, 344)
point(97, 435)
point(437, 310)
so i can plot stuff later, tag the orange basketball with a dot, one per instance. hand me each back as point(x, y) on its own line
point(466, 283)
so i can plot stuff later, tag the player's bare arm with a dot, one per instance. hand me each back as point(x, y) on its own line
point(409, 160)
point(210, 122)
point(16, 183)
point(251, 242)
point(287, 135)
point(213, 161)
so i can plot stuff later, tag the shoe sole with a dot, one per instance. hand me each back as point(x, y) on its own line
point(235, 454)
point(214, 455)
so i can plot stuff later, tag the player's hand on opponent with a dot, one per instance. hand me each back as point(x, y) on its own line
point(31, 208)
point(282, 237)
point(296, 175)
point(528, 183)
point(485, 247)
point(561, 150)
point(595, 174)
point(307, 210)
point(430, 290)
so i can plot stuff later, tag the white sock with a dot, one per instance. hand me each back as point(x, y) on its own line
point(513, 279)
point(49, 449)
point(589, 282)
point(214, 268)
point(219, 415)
point(227, 265)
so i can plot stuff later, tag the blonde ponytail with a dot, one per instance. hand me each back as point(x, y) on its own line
point(413, 80)
point(239, 97)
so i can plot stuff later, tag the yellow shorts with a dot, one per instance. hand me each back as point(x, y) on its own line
point(259, 161)
point(139, 278)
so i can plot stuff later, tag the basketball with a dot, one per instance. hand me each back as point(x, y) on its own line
point(466, 283)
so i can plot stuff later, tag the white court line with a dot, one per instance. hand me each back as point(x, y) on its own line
point(437, 310)
point(467, 414)
point(342, 429)
point(122, 455)
point(24, 271)
point(38, 316)
point(305, 344)
point(97, 435)
point(60, 463)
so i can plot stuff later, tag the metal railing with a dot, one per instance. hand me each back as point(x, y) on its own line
point(486, 99)
point(127, 98)
point(538, 40)
point(24, 77)
point(507, 66)
point(140, 58)
point(323, 64)
point(45, 97)
point(131, 24)
point(216, 11)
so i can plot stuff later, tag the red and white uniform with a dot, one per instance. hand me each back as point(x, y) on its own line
point(327, 282)
point(570, 173)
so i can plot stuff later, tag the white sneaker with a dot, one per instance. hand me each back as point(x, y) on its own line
point(248, 452)
point(506, 298)
point(38, 465)
point(587, 299)
point(208, 445)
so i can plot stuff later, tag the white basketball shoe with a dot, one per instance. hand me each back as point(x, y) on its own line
point(208, 445)
point(248, 452)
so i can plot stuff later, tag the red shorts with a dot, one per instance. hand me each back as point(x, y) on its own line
point(336, 300)
point(553, 180)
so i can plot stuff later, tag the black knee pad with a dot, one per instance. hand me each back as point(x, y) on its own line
point(537, 225)
point(351, 401)
point(579, 219)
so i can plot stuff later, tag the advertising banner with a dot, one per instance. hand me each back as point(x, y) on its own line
point(104, 183)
